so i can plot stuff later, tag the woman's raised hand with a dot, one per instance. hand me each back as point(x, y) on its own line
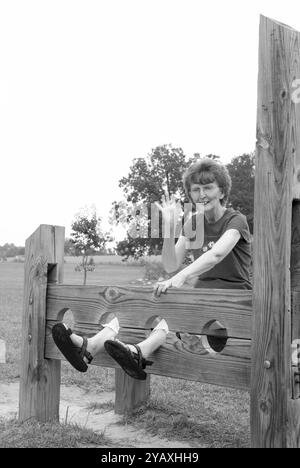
point(171, 209)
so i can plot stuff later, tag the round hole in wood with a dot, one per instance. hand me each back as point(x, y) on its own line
point(68, 319)
point(107, 317)
point(214, 336)
point(151, 323)
point(66, 315)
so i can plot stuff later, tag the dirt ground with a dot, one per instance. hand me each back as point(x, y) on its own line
point(74, 404)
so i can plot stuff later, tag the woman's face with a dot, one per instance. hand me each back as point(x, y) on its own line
point(209, 194)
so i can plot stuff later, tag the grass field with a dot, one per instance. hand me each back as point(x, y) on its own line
point(49, 435)
point(208, 415)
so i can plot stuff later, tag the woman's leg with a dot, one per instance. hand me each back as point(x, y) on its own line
point(95, 344)
point(157, 338)
point(133, 358)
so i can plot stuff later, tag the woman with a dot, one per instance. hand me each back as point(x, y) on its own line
point(222, 262)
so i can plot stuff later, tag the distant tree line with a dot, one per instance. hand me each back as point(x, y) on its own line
point(148, 178)
point(11, 250)
point(73, 250)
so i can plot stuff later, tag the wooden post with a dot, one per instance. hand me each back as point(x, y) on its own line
point(295, 304)
point(39, 377)
point(2, 352)
point(130, 393)
point(275, 414)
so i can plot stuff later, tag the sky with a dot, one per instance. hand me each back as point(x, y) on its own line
point(86, 87)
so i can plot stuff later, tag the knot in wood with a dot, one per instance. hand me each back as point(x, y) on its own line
point(111, 294)
point(264, 406)
point(283, 93)
point(263, 140)
point(40, 270)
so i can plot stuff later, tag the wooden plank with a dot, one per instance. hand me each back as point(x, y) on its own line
point(277, 159)
point(134, 306)
point(295, 247)
point(2, 352)
point(295, 303)
point(295, 300)
point(293, 439)
point(186, 359)
point(39, 377)
point(295, 310)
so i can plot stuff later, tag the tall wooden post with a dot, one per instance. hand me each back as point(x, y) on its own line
point(275, 408)
point(40, 378)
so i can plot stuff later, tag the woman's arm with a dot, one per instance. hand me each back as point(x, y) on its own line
point(204, 263)
point(173, 254)
point(213, 256)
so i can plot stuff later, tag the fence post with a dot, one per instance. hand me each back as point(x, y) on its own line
point(275, 414)
point(39, 377)
point(2, 352)
point(130, 393)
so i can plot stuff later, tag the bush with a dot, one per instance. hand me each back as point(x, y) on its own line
point(130, 261)
point(154, 270)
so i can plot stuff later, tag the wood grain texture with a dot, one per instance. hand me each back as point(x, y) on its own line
point(130, 393)
point(295, 247)
point(187, 358)
point(2, 352)
point(295, 300)
point(295, 308)
point(277, 160)
point(186, 310)
point(39, 377)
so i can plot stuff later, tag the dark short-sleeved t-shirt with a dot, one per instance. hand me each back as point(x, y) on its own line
point(233, 272)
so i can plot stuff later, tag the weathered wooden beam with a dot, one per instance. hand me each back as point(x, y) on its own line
point(39, 377)
point(2, 352)
point(295, 302)
point(130, 393)
point(274, 415)
point(186, 310)
point(186, 358)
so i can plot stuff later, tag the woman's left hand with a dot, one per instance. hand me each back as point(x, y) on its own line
point(176, 282)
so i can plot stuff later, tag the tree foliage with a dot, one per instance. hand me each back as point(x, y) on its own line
point(10, 250)
point(162, 170)
point(145, 184)
point(149, 177)
point(242, 172)
point(87, 237)
point(69, 248)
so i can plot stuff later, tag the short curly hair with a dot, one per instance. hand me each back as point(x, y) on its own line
point(204, 172)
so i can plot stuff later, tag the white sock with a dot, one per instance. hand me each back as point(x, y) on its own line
point(113, 324)
point(162, 325)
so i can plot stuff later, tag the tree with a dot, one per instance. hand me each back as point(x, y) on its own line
point(241, 170)
point(149, 177)
point(10, 250)
point(161, 170)
point(69, 248)
point(145, 184)
point(87, 238)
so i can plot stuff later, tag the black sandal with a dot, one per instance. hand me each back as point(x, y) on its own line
point(73, 354)
point(131, 363)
